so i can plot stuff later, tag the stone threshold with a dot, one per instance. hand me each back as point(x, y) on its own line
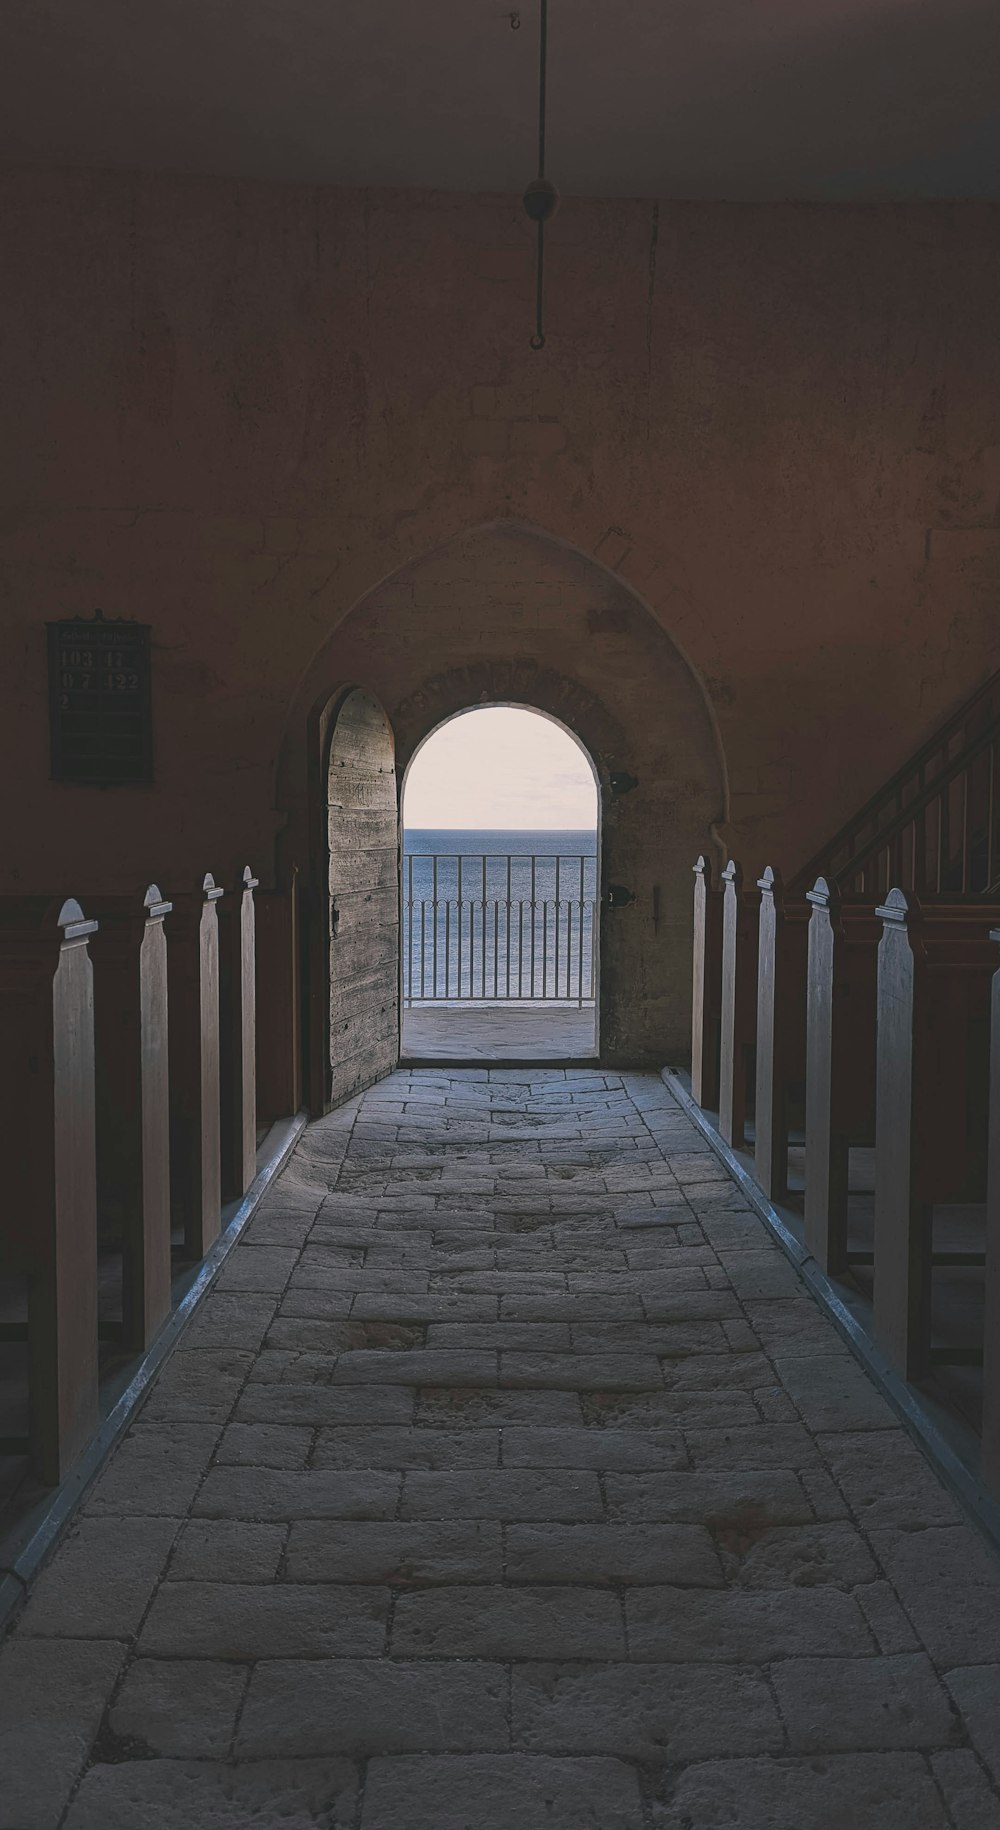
point(502, 1061)
point(59, 1505)
point(949, 1445)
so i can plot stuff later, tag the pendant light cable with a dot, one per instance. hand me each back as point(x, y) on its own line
point(541, 199)
point(543, 52)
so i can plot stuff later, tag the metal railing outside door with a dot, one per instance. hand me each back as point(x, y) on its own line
point(493, 927)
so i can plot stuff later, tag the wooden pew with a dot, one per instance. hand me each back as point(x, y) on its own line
point(990, 1464)
point(842, 952)
point(195, 1116)
point(133, 1104)
point(934, 971)
point(738, 1003)
point(48, 1232)
point(238, 1001)
point(781, 1029)
point(706, 1013)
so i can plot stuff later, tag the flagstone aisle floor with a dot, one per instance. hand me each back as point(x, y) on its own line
point(509, 1480)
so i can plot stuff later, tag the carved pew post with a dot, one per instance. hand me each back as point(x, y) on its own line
point(133, 1104)
point(707, 977)
point(195, 1127)
point(770, 1133)
point(827, 1145)
point(239, 1039)
point(902, 1216)
point(991, 1341)
point(780, 1003)
point(48, 1231)
point(732, 1111)
point(739, 980)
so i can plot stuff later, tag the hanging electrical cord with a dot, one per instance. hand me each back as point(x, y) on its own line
point(541, 199)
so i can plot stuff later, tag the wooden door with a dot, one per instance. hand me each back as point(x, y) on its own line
point(363, 835)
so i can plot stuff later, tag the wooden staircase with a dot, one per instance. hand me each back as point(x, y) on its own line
point(934, 828)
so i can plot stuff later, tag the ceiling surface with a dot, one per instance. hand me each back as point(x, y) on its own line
point(741, 99)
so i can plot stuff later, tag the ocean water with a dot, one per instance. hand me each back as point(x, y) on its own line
point(499, 915)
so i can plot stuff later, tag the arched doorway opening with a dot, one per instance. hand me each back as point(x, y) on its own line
point(500, 916)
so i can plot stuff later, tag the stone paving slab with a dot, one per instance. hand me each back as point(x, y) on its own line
point(509, 1623)
point(406, 1448)
point(227, 1550)
point(501, 1792)
point(617, 1555)
point(307, 1493)
point(198, 1387)
point(736, 1501)
point(674, 1623)
point(469, 1408)
point(589, 1448)
point(831, 1704)
point(315, 1405)
point(215, 1795)
point(101, 1584)
point(397, 1554)
point(508, 1493)
point(966, 1790)
point(179, 1707)
point(846, 1792)
point(828, 1555)
point(509, 1479)
point(646, 1714)
point(53, 1695)
point(368, 1707)
point(248, 1621)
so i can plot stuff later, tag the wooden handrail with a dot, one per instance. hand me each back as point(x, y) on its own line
point(827, 862)
point(859, 860)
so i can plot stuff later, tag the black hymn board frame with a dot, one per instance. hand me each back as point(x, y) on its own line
point(100, 719)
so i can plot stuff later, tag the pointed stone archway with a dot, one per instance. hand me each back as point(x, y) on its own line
point(508, 614)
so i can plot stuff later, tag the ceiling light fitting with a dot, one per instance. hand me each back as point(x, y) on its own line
point(541, 199)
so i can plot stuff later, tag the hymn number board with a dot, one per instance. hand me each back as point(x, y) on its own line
point(99, 702)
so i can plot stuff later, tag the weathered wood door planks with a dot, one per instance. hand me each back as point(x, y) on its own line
point(363, 836)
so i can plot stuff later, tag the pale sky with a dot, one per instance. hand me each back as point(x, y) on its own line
point(500, 767)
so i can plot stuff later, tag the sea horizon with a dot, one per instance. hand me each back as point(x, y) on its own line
point(501, 841)
point(503, 911)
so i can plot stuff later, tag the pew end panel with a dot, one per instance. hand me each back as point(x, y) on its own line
point(133, 1105)
point(934, 974)
point(706, 1014)
point(48, 1234)
point(780, 1029)
point(903, 1238)
point(841, 969)
point(952, 1060)
point(238, 1037)
point(195, 1088)
point(740, 922)
point(279, 999)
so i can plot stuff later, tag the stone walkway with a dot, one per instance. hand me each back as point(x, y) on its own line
point(508, 1480)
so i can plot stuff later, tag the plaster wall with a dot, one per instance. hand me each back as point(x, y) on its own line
point(231, 409)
